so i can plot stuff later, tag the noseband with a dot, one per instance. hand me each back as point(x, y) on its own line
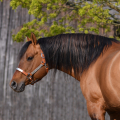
point(30, 75)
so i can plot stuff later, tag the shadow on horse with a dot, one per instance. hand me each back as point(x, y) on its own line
point(91, 59)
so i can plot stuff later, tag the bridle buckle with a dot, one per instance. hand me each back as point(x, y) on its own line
point(29, 76)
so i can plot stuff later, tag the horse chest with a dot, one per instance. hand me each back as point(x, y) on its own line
point(89, 86)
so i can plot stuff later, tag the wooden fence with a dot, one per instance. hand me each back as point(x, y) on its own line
point(58, 98)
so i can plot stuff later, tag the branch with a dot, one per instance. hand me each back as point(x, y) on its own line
point(113, 7)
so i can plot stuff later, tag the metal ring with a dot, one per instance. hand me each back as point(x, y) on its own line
point(42, 55)
point(29, 76)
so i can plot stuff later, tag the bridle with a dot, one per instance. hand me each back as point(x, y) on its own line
point(30, 75)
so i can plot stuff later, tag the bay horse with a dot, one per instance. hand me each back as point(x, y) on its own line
point(91, 59)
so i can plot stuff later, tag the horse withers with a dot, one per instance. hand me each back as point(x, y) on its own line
point(92, 59)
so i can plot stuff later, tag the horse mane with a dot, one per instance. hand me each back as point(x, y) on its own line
point(23, 49)
point(71, 51)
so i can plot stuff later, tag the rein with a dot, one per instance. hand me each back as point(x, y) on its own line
point(30, 75)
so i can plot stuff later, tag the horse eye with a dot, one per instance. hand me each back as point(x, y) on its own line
point(29, 58)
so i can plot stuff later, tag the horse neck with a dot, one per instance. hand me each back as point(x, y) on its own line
point(58, 55)
point(69, 71)
point(71, 74)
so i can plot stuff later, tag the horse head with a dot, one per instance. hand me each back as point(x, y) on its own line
point(32, 66)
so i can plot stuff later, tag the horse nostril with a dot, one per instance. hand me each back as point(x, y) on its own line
point(14, 85)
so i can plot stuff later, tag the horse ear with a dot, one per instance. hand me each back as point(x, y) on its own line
point(28, 39)
point(33, 38)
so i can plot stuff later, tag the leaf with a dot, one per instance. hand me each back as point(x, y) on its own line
point(54, 17)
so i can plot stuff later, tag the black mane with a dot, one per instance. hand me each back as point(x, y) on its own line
point(75, 51)
point(23, 49)
point(72, 51)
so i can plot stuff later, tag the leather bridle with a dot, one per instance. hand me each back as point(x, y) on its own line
point(30, 75)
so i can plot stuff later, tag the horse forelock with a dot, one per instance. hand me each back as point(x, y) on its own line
point(23, 49)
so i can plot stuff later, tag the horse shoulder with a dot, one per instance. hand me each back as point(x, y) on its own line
point(93, 80)
point(109, 79)
point(91, 90)
point(89, 84)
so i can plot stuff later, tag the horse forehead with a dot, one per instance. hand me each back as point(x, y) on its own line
point(31, 49)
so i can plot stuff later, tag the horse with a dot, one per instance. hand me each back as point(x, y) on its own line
point(91, 59)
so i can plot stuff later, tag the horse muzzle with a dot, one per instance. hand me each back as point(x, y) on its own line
point(17, 87)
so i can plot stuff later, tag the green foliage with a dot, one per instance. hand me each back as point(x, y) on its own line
point(90, 17)
point(23, 3)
